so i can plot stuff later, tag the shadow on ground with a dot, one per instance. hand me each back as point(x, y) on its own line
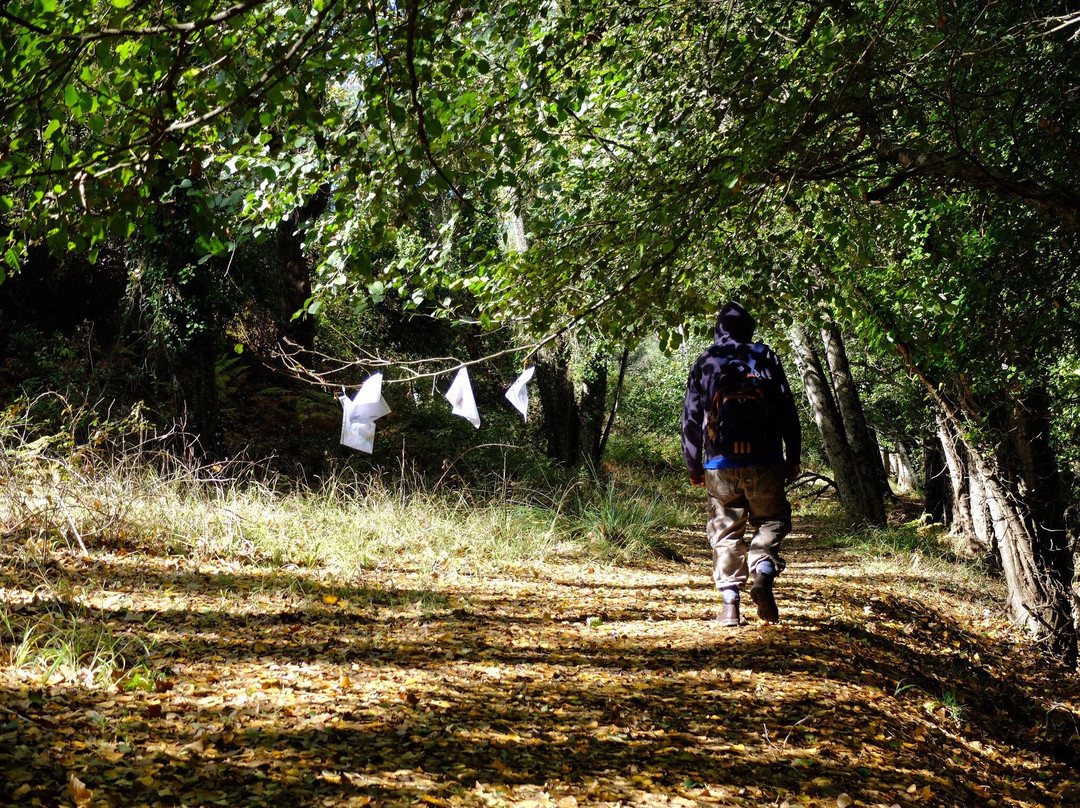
point(600, 687)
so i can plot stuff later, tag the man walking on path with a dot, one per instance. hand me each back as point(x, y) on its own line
point(742, 440)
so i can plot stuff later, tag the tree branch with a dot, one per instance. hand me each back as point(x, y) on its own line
point(1060, 202)
point(168, 28)
point(418, 108)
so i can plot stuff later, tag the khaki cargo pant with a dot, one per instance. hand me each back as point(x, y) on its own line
point(753, 495)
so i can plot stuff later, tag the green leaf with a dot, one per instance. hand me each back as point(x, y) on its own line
point(11, 258)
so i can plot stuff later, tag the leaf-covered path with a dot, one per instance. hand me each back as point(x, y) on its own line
point(569, 685)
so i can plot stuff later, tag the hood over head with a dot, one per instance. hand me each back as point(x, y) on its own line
point(734, 325)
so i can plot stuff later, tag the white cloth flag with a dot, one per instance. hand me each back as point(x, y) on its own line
point(360, 413)
point(518, 394)
point(460, 396)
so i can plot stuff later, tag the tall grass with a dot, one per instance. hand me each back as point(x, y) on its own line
point(624, 523)
point(350, 524)
point(119, 489)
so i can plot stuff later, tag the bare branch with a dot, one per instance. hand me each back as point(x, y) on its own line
point(1065, 21)
point(296, 362)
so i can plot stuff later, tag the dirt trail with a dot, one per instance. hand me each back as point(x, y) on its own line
point(573, 686)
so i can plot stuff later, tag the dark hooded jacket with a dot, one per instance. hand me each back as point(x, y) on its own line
point(734, 337)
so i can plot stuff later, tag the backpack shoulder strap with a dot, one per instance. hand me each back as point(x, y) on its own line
point(743, 352)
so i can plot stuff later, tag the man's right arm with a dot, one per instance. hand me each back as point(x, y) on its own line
point(693, 408)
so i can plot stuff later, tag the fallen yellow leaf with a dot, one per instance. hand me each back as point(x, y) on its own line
point(82, 795)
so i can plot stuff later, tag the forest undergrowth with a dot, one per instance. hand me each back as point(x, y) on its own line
point(171, 641)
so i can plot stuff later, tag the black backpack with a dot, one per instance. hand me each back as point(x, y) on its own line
point(740, 421)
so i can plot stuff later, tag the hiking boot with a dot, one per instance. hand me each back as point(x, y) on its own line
point(762, 595)
point(729, 614)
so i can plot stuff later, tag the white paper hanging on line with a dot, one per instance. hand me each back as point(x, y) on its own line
point(359, 414)
point(460, 396)
point(358, 435)
point(518, 394)
point(368, 402)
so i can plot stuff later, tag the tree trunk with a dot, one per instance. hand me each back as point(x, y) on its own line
point(593, 408)
point(1040, 484)
point(970, 520)
point(853, 498)
point(296, 271)
point(574, 422)
point(1039, 593)
point(1022, 499)
point(981, 521)
point(1029, 436)
point(555, 388)
point(880, 467)
point(868, 459)
point(904, 472)
point(960, 520)
point(937, 499)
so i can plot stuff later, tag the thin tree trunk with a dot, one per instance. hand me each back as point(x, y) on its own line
point(880, 467)
point(827, 417)
point(961, 520)
point(868, 459)
point(624, 361)
point(981, 520)
point(905, 473)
